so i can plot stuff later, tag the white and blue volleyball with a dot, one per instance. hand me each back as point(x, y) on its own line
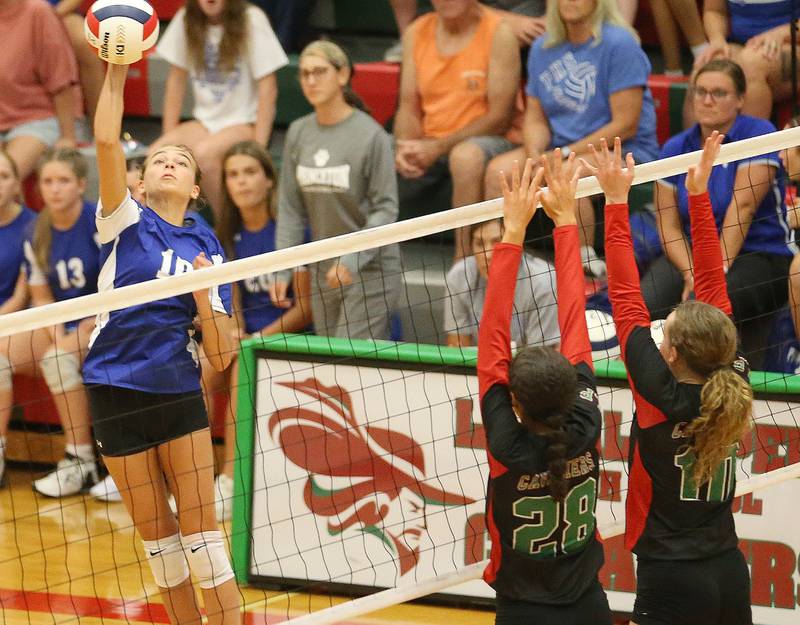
point(603, 334)
point(121, 30)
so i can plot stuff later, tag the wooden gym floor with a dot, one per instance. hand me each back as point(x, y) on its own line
point(78, 561)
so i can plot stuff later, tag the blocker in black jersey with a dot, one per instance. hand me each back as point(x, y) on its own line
point(683, 534)
point(545, 553)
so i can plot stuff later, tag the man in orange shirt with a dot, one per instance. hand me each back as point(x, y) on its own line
point(459, 97)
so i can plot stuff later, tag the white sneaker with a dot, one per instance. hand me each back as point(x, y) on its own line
point(394, 54)
point(106, 490)
point(223, 488)
point(71, 477)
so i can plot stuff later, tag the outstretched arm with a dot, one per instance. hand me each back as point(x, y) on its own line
point(627, 304)
point(494, 336)
point(709, 276)
point(107, 129)
point(558, 201)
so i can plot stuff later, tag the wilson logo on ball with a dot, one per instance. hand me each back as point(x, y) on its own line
point(121, 31)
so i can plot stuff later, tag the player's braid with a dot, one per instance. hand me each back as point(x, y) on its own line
point(544, 384)
point(556, 456)
point(706, 338)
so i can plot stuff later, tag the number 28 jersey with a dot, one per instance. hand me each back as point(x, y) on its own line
point(543, 550)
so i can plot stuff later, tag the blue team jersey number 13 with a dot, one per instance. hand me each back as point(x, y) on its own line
point(70, 274)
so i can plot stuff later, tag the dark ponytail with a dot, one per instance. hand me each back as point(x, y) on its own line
point(556, 456)
point(545, 384)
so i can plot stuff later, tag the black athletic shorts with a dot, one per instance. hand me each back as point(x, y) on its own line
point(127, 421)
point(591, 609)
point(712, 591)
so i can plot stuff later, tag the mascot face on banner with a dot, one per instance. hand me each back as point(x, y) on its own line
point(360, 476)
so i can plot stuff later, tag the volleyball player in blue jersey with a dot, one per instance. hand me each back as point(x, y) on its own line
point(247, 228)
point(15, 219)
point(62, 261)
point(143, 373)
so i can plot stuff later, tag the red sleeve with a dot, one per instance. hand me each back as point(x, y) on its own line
point(709, 277)
point(627, 304)
point(575, 343)
point(494, 333)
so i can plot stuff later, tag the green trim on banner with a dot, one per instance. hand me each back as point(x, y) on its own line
point(387, 351)
point(243, 470)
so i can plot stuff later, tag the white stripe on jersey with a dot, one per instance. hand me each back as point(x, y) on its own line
point(213, 293)
point(105, 282)
point(37, 277)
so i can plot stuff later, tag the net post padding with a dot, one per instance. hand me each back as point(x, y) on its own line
point(400, 594)
point(334, 247)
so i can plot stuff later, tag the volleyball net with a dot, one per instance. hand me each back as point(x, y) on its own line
point(361, 463)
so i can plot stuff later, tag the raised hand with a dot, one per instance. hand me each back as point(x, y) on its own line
point(614, 180)
point(697, 175)
point(558, 199)
point(520, 200)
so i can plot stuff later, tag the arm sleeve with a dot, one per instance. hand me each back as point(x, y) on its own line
point(56, 66)
point(383, 205)
point(264, 51)
point(292, 215)
point(34, 273)
point(709, 277)
point(627, 305)
point(124, 216)
point(571, 297)
point(220, 296)
point(494, 334)
point(172, 46)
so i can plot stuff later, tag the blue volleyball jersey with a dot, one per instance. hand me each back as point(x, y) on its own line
point(257, 307)
point(769, 232)
point(752, 17)
point(74, 260)
point(150, 347)
point(12, 255)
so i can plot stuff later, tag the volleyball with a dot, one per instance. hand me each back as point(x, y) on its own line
point(121, 30)
point(602, 334)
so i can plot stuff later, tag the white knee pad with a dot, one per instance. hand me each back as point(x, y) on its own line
point(61, 370)
point(6, 372)
point(207, 558)
point(167, 560)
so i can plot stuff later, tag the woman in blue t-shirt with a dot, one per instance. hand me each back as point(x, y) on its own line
point(247, 228)
point(62, 261)
point(15, 220)
point(587, 79)
point(143, 367)
point(755, 34)
point(747, 197)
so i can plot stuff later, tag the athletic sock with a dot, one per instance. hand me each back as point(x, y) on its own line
point(82, 452)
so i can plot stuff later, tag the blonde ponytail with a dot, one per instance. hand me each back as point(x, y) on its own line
point(726, 402)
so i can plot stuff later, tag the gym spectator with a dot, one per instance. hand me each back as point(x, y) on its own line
point(289, 20)
point(38, 78)
point(229, 53)
point(535, 317)
point(747, 198)
point(756, 36)
point(458, 90)
point(587, 79)
point(90, 67)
